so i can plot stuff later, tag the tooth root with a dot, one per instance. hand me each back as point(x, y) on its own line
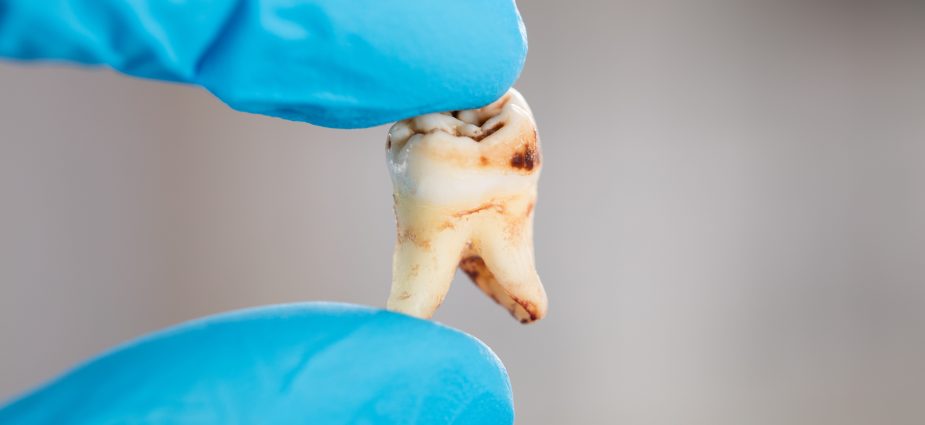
point(475, 267)
point(500, 262)
point(424, 262)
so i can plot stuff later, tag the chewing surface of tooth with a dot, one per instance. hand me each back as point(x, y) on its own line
point(464, 190)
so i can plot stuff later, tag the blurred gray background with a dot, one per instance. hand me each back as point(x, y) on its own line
point(731, 225)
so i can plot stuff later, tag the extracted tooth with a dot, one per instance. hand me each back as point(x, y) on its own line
point(464, 191)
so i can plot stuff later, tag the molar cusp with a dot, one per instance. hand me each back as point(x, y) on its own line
point(470, 116)
point(492, 125)
point(517, 102)
point(399, 134)
point(471, 131)
point(430, 123)
point(479, 117)
point(495, 107)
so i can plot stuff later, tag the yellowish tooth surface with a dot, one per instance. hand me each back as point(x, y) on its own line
point(465, 190)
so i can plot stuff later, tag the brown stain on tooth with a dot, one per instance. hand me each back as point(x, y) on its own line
point(525, 159)
point(409, 235)
point(478, 209)
point(528, 156)
point(471, 266)
point(474, 267)
point(483, 161)
point(528, 307)
point(488, 131)
point(517, 161)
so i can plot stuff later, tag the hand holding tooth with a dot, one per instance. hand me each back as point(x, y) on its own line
point(464, 190)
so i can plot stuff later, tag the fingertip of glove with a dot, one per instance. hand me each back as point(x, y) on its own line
point(390, 62)
point(315, 362)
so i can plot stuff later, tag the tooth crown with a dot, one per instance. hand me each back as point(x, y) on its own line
point(446, 158)
point(464, 190)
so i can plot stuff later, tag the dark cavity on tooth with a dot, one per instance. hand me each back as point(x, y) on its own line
point(488, 131)
point(525, 160)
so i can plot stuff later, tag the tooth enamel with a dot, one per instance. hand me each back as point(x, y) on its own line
point(464, 189)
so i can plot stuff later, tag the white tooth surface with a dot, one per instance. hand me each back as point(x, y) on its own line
point(464, 189)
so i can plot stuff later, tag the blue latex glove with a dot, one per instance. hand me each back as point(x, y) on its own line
point(336, 63)
point(314, 363)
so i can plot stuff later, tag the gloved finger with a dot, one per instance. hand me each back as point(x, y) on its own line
point(159, 39)
point(328, 62)
point(317, 363)
point(362, 63)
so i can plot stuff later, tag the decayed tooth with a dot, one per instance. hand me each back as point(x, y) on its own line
point(464, 190)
